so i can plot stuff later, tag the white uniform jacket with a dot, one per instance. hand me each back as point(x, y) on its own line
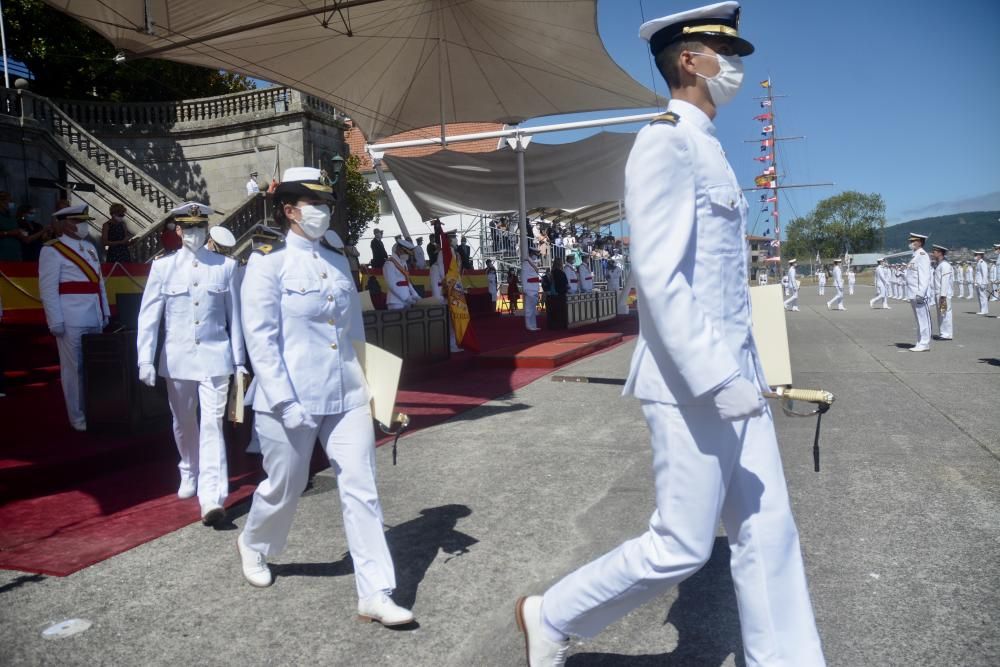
point(838, 277)
point(981, 275)
point(397, 279)
point(436, 278)
point(689, 256)
point(572, 279)
point(969, 275)
point(69, 305)
point(586, 278)
point(791, 283)
point(918, 275)
point(615, 279)
point(944, 275)
point(301, 315)
point(822, 277)
point(530, 280)
point(197, 295)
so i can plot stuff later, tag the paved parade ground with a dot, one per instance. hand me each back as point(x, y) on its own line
point(900, 530)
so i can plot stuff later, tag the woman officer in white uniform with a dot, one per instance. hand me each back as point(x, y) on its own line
point(301, 316)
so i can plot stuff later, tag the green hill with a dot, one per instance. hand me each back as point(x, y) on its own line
point(977, 230)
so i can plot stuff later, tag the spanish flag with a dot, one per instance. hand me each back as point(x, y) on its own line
point(766, 83)
point(461, 320)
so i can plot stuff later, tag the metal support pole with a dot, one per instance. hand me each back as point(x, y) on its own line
point(3, 44)
point(522, 206)
point(392, 200)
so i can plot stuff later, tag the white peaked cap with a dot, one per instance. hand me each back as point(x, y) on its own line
point(405, 244)
point(222, 236)
point(193, 209)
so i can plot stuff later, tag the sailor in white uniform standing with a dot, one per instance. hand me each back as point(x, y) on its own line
point(530, 283)
point(586, 277)
point(981, 281)
point(698, 375)
point(792, 302)
point(837, 302)
point(74, 300)
point(572, 275)
point(301, 319)
point(970, 281)
point(851, 280)
point(397, 277)
point(881, 285)
point(821, 281)
point(918, 283)
point(193, 291)
point(943, 275)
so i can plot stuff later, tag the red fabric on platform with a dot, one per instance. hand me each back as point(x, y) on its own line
point(74, 499)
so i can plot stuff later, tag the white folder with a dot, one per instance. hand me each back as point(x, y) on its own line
point(382, 370)
point(770, 333)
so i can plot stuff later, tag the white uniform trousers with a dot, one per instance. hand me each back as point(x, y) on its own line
point(70, 348)
point(530, 308)
point(793, 300)
point(945, 326)
point(822, 289)
point(880, 295)
point(931, 305)
point(984, 306)
point(838, 300)
point(201, 445)
point(923, 317)
point(349, 441)
point(705, 468)
point(850, 290)
point(961, 290)
point(971, 293)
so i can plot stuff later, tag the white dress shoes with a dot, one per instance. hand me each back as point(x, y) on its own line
point(919, 348)
point(212, 515)
point(255, 567)
point(539, 649)
point(380, 607)
point(187, 488)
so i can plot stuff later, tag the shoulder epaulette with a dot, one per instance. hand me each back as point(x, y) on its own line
point(669, 117)
point(164, 253)
point(270, 246)
point(51, 242)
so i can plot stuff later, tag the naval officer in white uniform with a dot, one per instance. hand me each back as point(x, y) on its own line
point(981, 282)
point(881, 285)
point(792, 302)
point(943, 276)
point(918, 285)
point(397, 277)
point(697, 372)
point(530, 282)
point(837, 302)
point(193, 291)
point(301, 319)
point(74, 300)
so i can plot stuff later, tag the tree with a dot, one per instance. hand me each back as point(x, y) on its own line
point(69, 60)
point(848, 222)
point(360, 201)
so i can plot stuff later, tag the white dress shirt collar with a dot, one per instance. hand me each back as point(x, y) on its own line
point(689, 112)
point(299, 242)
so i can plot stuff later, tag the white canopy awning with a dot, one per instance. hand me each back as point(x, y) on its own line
point(557, 176)
point(392, 65)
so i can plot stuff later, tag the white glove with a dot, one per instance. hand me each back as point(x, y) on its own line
point(293, 416)
point(147, 374)
point(738, 399)
point(58, 330)
point(241, 370)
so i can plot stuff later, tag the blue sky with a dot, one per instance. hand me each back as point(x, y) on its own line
point(899, 98)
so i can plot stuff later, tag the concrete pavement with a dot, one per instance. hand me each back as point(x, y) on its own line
point(900, 531)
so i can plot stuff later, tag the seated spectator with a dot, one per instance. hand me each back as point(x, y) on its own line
point(11, 246)
point(34, 233)
point(115, 236)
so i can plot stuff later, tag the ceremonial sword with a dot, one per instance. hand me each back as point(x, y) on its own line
point(787, 395)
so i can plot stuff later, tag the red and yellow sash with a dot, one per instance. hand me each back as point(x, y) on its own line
point(406, 274)
point(79, 261)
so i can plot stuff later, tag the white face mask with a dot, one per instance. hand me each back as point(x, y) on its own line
point(82, 230)
point(724, 85)
point(194, 239)
point(914, 246)
point(314, 220)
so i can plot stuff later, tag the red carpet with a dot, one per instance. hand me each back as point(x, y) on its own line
point(74, 499)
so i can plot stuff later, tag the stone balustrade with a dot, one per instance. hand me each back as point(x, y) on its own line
point(248, 105)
